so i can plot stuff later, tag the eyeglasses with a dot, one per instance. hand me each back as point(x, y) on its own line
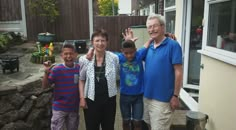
point(154, 26)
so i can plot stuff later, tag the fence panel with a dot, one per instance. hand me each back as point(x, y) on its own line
point(114, 25)
point(10, 10)
point(73, 22)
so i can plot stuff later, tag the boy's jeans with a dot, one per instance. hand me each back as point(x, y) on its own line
point(61, 119)
point(131, 107)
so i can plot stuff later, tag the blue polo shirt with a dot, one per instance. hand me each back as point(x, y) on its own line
point(131, 73)
point(159, 75)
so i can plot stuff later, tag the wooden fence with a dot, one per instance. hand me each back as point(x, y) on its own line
point(10, 10)
point(73, 22)
point(114, 25)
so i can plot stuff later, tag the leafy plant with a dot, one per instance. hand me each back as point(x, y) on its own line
point(105, 7)
point(46, 9)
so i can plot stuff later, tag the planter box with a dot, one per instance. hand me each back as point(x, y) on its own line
point(46, 37)
point(41, 59)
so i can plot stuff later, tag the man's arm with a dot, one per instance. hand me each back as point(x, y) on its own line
point(178, 78)
point(174, 102)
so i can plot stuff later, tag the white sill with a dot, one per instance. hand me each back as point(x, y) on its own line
point(219, 57)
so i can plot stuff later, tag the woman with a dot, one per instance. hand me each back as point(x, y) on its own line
point(98, 84)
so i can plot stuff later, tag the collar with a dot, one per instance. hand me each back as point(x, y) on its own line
point(164, 42)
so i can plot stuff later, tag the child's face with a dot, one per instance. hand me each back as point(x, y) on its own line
point(129, 53)
point(68, 55)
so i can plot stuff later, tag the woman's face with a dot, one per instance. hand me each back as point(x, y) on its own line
point(99, 43)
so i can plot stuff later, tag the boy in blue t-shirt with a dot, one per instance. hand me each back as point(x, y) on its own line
point(131, 84)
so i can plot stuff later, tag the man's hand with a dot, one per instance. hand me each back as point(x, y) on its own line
point(129, 35)
point(174, 103)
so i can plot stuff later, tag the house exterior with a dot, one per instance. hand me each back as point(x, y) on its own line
point(206, 30)
point(13, 19)
point(124, 7)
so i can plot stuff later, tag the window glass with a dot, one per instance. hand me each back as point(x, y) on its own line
point(170, 22)
point(169, 3)
point(222, 26)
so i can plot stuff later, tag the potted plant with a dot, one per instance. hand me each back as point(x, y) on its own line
point(47, 11)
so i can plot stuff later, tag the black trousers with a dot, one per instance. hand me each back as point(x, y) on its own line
point(102, 112)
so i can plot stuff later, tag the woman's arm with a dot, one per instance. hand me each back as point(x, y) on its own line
point(81, 92)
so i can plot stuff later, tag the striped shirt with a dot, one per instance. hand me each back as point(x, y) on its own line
point(66, 91)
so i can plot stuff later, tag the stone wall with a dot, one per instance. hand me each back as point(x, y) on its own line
point(25, 105)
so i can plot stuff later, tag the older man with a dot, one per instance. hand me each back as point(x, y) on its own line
point(163, 76)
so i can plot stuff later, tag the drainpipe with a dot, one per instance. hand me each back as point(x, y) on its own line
point(23, 18)
point(90, 9)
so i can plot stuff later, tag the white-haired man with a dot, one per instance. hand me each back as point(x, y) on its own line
point(162, 77)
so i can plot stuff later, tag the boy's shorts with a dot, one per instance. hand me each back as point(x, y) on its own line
point(157, 114)
point(61, 119)
point(131, 107)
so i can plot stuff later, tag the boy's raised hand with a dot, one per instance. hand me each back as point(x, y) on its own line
point(129, 35)
point(47, 66)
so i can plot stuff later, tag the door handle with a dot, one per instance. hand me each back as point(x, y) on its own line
point(202, 66)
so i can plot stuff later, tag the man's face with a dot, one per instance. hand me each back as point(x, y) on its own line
point(155, 29)
point(99, 43)
point(129, 53)
point(68, 55)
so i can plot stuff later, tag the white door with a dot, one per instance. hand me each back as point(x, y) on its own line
point(194, 10)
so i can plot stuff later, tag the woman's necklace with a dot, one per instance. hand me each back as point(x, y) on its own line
point(100, 68)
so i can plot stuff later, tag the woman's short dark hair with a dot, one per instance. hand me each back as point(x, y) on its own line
point(100, 32)
point(128, 44)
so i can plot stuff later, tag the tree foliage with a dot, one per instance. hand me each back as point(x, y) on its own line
point(105, 7)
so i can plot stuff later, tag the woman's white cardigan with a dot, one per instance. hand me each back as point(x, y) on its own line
point(111, 73)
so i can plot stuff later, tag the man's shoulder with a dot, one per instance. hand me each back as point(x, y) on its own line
point(172, 42)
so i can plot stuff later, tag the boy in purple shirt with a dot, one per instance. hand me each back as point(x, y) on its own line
point(65, 76)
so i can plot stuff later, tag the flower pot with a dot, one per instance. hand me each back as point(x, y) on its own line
point(46, 37)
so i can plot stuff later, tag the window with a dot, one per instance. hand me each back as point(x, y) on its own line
point(169, 3)
point(170, 21)
point(219, 35)
point(222, 26)
point(170, 14)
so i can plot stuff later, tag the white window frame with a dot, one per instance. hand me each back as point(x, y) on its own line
point(169, 9)
point(219, 54)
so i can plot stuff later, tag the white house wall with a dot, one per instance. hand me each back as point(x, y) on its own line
point(217, 94)
point(124, 7)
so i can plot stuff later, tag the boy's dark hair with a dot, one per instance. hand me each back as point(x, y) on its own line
point(68, 45)
point(128, 44)
point(100, 32)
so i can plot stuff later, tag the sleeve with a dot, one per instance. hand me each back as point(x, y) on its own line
point(176, 54)
point(142, 52)
point(83, 68)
